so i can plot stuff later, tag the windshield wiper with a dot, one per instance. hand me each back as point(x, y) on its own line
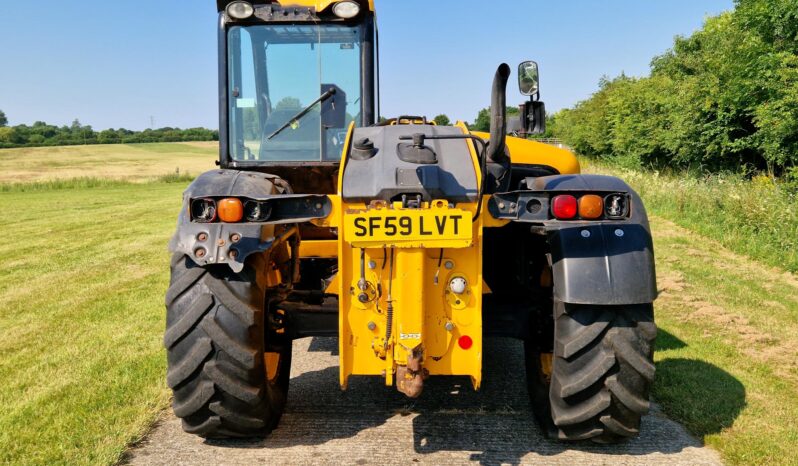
point(305, 111)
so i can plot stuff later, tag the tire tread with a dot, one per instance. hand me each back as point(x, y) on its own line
point(603, 370)
point(214, 341)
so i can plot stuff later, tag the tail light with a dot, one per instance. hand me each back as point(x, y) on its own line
point(591, 207)
point(616, 206)
point(255, 211)
point(564, 207)
point(203, 210)
point(231, 210)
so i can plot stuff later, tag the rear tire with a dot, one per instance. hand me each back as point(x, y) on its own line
point(601, 375)
point(215, 334)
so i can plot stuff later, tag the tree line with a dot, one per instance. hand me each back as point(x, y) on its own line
point(725, 98)
point(42, 134)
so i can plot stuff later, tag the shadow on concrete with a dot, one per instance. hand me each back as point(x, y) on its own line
point(324, 345)
point(496, 424)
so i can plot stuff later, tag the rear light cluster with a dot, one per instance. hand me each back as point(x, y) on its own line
point(229, 210)
point(590, 207)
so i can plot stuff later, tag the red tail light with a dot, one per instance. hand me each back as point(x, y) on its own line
point(564, 207)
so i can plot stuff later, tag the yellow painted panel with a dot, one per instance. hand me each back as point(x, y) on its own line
point(526, 151)
point(422, 304)
point(411, 274)
point(319, 5)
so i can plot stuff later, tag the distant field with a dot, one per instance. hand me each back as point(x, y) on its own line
point(131, 162)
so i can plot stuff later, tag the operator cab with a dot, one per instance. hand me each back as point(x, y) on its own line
point(293, 77)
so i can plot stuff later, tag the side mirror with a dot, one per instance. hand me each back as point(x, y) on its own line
point(529, 78)
point(533, 117)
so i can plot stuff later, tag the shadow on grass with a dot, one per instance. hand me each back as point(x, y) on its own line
point(700, 395)
point(667, 341)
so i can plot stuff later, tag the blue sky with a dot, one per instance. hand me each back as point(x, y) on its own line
point(118, 63)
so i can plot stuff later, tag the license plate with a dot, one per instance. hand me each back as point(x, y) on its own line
point(450, 228)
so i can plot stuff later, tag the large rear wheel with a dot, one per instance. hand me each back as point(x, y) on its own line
point(598, 382)
point(224, 381)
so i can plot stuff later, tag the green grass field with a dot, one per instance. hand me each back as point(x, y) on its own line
point(85, 267)
point(82, 295)
point(82, 279)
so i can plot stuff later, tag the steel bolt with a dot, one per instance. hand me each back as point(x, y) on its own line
point(619, 233)
point(200, 253)
point(202, 237)
point(372, 265)
point(449, 265)
point(233, 253)
point(372, 326)
point(363, 298)
point(585, 234)
point(449, 326)
point(235, 238)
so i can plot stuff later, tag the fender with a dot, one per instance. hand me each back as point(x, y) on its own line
point(607, 262)
point(219, 239)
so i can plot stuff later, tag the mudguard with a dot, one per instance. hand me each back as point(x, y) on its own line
point(219, 239)
point(593, 262)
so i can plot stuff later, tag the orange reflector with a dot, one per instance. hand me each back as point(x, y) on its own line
point(230, 210)
point(591, 206)
point(465, 342)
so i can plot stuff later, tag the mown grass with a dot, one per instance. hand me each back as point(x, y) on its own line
point(82, 279)
point(753, 217)
point(727, 365)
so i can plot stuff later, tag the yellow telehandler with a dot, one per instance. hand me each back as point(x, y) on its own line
point(410, 242)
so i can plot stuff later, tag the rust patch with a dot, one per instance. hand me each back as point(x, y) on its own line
point(410, 378)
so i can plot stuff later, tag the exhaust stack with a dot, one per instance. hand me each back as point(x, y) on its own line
point(498, 115)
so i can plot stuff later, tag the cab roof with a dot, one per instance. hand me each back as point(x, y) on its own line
point(318, 5)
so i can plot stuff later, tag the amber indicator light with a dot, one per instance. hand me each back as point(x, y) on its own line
point(230, 210)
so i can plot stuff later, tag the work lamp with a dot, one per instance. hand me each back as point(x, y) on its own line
point(346, 10)
point(240, 10)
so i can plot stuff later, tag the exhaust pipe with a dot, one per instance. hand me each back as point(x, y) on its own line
point(498, 115)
